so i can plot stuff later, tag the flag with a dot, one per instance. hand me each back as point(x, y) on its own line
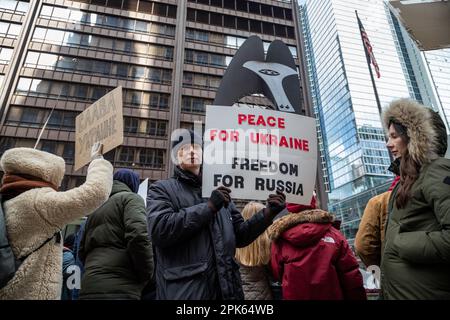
point(368, 48)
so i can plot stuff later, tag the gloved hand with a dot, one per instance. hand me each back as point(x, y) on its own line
point(96, 151)
point(275, 204)
point(219, 198)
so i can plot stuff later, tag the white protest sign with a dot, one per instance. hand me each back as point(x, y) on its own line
point(254, 152)
point(142, 191)
point(103, 122)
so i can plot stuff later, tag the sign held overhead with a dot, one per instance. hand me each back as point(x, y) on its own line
point(255, 152)
point(101, 122)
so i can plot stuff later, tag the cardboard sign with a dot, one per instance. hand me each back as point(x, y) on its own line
point(254, 152)
point(142, 191)
point(103, 122)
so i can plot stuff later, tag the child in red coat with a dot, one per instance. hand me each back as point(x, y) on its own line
point(312, 259)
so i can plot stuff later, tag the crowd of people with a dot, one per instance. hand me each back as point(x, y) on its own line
point(180, 245)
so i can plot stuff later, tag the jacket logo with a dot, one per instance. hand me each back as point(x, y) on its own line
point(447, 180)
point(328, 239)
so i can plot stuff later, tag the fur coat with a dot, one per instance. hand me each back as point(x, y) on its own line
point(35, 215)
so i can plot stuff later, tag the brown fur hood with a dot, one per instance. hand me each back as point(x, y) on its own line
point(292, 219)
point(417, 120)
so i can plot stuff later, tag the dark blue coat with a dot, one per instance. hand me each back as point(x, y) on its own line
point(194, 246)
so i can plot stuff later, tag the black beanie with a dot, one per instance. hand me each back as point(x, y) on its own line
point(185, 136)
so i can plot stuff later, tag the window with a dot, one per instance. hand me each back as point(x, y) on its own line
point(131, 125)
point(242, 24)
point(137, 72)
point(253, 7)
point(30, 116)
point(69, 152)
point(229, 22)
point(49, 146)
point(153, 158)
point(154, 75)
point(241, 5)
point(126, 155)
point(160, 9)
point(157, 128)
point(216, 19)
point(266, 10)
point(278, 12)
point(145, 6)
point(202, 17)
point(229, 4)
point(191, 15)
point(141, 26)
point(255, 26)
point(280, 30)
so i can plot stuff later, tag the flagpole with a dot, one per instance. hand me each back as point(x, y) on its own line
point(371, 77)
point(51, 111)
point(370, 68)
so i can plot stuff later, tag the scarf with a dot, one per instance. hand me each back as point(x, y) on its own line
point(15, 184)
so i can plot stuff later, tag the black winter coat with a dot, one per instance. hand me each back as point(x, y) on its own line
point(195, 247)
point(116, 249)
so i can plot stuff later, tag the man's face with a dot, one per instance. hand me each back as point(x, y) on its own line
point(190, 157)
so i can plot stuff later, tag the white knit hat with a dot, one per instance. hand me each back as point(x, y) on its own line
point(37, 163)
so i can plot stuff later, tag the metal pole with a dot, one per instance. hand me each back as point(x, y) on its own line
point(51, 111)
point(373, 80)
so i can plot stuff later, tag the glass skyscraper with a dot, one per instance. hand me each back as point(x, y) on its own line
point(438, 62)
point(351, 136)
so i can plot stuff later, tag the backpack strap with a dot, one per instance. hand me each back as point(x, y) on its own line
point(7, 260)
point(56, 236)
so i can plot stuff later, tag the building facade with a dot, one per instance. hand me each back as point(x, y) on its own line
point(354, 156)
point(169, 57)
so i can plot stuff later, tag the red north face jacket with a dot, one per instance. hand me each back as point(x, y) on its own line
point(313, 260)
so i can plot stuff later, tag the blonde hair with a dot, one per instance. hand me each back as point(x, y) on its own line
point(256, 253)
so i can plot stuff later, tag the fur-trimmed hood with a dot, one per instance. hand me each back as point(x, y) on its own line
point(418, 122)
point(291, 220)
point(37, 163)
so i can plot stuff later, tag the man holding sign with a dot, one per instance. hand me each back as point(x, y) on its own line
point(195, 238)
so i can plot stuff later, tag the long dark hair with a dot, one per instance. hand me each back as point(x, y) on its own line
point(409, 169)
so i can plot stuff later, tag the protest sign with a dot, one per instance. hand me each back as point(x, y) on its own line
point(101, 122)
point(142, 191)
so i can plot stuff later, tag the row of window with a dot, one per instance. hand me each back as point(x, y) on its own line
point(193, 104)
point(9, 30)
point(116, 70)
point(250, 7)
point(144, 6)
point(14, 6)
point(65, 120)
point(201, 81)
point(104, 20)
point(239, 23)
point(145, 127)
point(206, 58)
point(66, 90)
point(225, 40)
point(68, 38)
point(137, 157)
point(122, 156)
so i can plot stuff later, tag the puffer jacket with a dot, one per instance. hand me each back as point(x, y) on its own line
point(115, 249)
point(313, 260)
point(256, 282)
point(416, 257)
point(369, 239)
point(35, 215)
point(194, 246)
